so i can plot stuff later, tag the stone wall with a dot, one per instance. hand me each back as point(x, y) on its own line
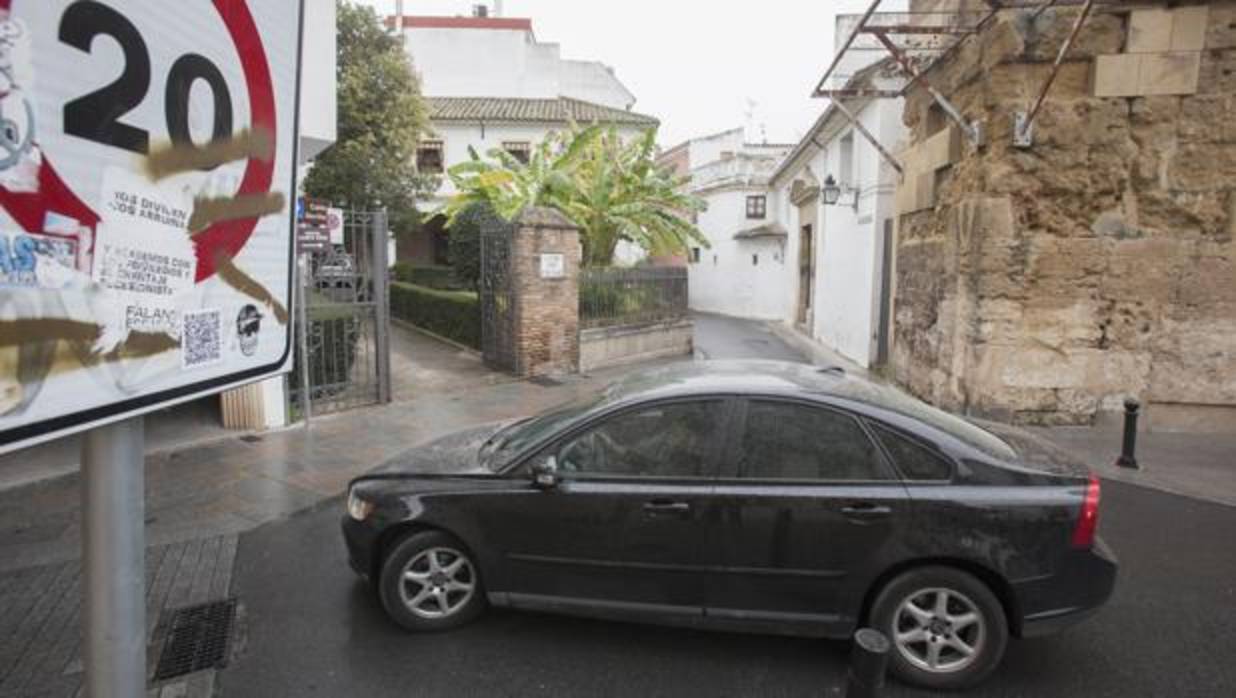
point(602, 347)
point(1047, 284)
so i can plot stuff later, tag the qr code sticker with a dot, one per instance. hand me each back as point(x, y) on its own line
point(201, 338)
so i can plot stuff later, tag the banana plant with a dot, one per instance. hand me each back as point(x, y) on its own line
point(611, 188)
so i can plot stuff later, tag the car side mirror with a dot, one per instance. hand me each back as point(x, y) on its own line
point(545, 473)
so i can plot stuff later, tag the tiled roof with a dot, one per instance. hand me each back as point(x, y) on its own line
point(560, 110)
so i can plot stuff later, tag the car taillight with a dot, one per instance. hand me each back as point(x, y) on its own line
point(1088, 520)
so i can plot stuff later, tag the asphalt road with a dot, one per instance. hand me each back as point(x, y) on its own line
point(310, 627)
point(723, 337)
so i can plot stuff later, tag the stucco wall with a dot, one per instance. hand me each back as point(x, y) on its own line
point(1047, 284)
point(848, 244)
point(474, 62)
point(728, 279)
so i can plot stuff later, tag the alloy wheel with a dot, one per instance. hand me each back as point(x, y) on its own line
point(939, 630)
point(437, 583)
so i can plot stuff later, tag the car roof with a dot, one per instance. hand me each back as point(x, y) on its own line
point(738, 377)
point(762, 377)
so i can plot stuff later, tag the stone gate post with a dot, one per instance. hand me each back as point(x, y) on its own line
point(545, 261)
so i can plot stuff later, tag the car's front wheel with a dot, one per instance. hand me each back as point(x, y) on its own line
point(429, 581)
point(948, 630)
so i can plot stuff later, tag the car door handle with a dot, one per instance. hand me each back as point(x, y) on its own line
point(660, 508)
point(865, 511)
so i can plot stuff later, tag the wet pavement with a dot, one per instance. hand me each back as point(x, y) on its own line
point(1168, 630)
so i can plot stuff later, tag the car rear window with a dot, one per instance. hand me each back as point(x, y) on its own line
point(901, 403)
point(915, 460)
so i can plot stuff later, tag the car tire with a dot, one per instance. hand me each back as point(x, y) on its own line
point(429, 582)
point(929, 646)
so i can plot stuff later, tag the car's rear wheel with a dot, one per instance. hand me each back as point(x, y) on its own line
point(947, 628)
point(429, 581)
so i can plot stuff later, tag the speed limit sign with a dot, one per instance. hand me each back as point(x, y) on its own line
point(147, 174)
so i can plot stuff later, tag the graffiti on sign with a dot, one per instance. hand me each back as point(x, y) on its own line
point(145, 226)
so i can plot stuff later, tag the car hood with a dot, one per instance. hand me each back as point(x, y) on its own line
point(456, 453)
point(1035, 452)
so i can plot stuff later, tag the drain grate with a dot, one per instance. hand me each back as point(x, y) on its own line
point(251, 438)
point(544, 381)
point(198, 637)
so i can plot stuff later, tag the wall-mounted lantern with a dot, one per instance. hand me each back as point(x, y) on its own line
point(830, 193)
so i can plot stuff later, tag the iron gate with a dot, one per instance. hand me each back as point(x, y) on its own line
point(346, 321)
point(497, 295)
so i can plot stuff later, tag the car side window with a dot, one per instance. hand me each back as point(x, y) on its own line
point(789, 441)
point(669, 440)
point(914, 459)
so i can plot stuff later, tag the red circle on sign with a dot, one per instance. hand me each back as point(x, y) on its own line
point(229, 237)
point(223, 239)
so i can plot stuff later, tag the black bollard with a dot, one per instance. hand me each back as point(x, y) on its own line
point(1127, 459)
point(868, 661)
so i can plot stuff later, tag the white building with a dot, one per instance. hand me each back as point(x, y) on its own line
point(741, 272)
point(778, 251)
point(840, 254)
point(490, 84)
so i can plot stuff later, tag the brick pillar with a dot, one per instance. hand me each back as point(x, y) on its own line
point(545, 260)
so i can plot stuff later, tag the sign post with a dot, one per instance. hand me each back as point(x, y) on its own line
point(113, 559)
point(147, 249)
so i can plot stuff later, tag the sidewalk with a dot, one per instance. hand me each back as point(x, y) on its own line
point(198, 500)
point(1202, 466)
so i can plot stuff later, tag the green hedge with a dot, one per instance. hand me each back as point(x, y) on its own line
point(455, 315)
point(431, 276)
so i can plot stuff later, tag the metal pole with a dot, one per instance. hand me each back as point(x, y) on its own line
point(113, 560)
point(1127, 459)
point(302, 269)
point(380, 232)
point(1024, 125)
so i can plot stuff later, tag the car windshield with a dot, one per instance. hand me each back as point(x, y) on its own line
point(515, 438)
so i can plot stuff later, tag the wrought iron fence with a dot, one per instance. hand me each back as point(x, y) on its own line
point(611, 296)
point(347, 321)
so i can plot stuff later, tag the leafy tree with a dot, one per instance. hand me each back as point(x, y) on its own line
point(609, 187)
point(465, 247)
point(381, 116)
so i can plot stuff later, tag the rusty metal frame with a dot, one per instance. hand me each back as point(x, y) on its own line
point(858, 125)
point(1023, 122)
point(972, 129)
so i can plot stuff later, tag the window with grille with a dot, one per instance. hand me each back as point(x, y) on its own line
point(429, 157)
point(520, 150)
point(757, 206)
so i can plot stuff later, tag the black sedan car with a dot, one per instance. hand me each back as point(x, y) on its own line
point(758, 496)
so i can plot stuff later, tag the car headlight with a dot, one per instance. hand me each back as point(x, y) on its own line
point(359, 509)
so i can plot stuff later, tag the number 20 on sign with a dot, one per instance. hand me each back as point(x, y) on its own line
point(147, 168)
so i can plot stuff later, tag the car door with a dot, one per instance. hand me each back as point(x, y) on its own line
point(625, 527)
point(809, 509)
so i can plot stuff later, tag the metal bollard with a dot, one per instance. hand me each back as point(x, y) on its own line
point(1127, 459)
point(868, 661)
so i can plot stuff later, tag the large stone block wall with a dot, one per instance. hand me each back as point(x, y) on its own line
point(1047, 284)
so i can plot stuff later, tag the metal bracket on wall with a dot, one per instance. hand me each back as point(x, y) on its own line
point(858, 126)
point(1023, 123)
point(972, 129)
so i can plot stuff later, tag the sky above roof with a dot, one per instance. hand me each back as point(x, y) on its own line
point(700, 66)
